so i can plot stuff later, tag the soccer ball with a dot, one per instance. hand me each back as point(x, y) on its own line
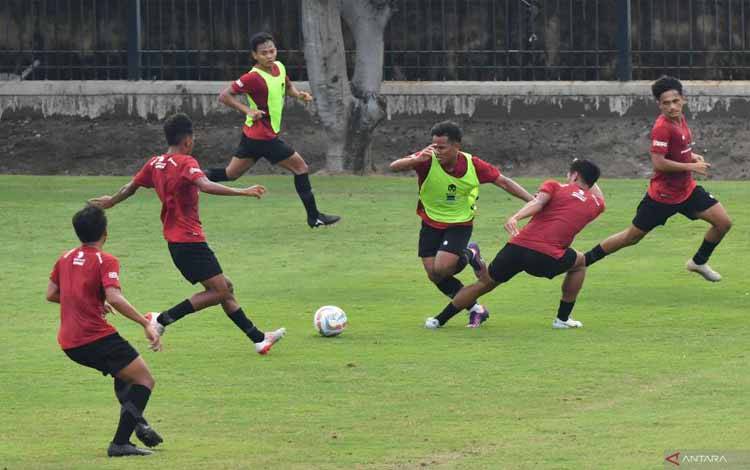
point(330, 320)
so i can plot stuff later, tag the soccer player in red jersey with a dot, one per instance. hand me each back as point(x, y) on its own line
point(178, 179)
point(672, 188)
point(448, 181)
point(81, 281)
point(265, 87)
point(542, 248)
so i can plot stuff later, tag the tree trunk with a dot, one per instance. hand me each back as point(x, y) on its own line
point(367, 20)
point(326, 68)
point(350, 112)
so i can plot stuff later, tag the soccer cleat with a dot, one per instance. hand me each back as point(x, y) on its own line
point(478, 316)
point(147, 435)
point(152, 319)
point(476, 261)
point(271, 338)
point(432, 323)
point(569, 323)
point(322, 220)
point(126, 450)
point(704, 270)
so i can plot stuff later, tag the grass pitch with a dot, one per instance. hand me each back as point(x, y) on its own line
point(661, 365)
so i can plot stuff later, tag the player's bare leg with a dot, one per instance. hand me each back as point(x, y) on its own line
point(720, 222)
point(628, 237)
point(297, 165)
point(571, 286)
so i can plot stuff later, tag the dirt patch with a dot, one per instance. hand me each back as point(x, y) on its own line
point(541, 147)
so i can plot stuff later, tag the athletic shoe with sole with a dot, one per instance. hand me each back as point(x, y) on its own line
point(704, 270)
point(322, 220)
point(151, 317)
point(569, 323)
point(432, 323)
point(476, 318)
point(476, 261)
point(126, 450)
point(147, 435)
point(272, 338)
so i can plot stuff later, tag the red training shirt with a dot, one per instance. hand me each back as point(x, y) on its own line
point(82, 274)
point(675, 142)
point(173, 178)
point(486, 173)
point(568, 211)
point(254, 85)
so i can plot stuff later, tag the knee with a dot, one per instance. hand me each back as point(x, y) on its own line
point(148, 381)
point(724, 226)
point(435, 276)
point(230, 286)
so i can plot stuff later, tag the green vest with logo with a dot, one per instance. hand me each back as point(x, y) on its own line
point(276, 93)
point(448, 199)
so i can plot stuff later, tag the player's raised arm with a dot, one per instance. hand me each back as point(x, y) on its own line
point(513, 188)
point(209, 187)
point(411, 161)
point(105, 202)
point(530, 209)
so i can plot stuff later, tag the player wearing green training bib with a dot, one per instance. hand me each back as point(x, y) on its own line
point(265, 88)
point(449, 182)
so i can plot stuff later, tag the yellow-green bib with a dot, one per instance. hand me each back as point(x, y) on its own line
point(276, 93)
point(449, 199)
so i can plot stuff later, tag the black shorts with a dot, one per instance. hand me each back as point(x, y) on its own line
point(108, 355)
point(452, 239)
point(273, 150)
point(512, 259)
point(651, 213)
point(195, 261)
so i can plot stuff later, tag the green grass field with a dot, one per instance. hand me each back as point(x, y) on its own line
point(662, 363)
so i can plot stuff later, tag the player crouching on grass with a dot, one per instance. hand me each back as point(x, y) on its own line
point(177, 179)
point(542, 248)
point(81, 281)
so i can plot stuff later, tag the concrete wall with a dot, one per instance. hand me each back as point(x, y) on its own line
point(149, 100)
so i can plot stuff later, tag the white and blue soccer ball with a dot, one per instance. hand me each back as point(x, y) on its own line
point(330, 320)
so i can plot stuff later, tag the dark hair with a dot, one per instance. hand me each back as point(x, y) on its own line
point(665, 83)
point(177, 127)
point(260, 38)
point(90, 223)
point(448, 129)
point(588, 170)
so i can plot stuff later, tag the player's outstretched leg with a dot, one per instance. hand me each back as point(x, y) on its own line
point(140, 383)
point(478, 313)
point(441, 270)
point(463, 299)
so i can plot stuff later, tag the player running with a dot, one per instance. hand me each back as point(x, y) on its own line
point(449, 182)
point(265, 87)
point(177, 179)
point(672, 188)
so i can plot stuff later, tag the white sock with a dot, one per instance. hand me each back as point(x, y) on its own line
point(476, 309)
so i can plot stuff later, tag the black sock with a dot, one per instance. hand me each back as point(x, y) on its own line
point(448, 312)
point(131, 411)
point(217, 174)
point(170, 316)
point(304, 190)
point(563, 311)
point(449, 286)
point(463, 260)
point(243, 323)
point(122, 389)
point(704, 252)
point(594, 255)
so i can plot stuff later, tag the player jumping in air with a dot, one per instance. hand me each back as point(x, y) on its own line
point(449, 182)
point(177, 179)
point(672, 188)
point(542, 248)
point(81, 281)
point(265, 86)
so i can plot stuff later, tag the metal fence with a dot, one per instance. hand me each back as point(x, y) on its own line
point(425, 39)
